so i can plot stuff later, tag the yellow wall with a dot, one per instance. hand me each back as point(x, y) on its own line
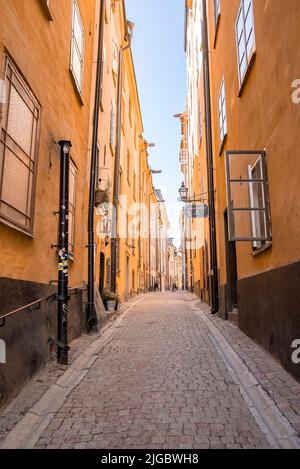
point(135, 185)
point(263, 117)
point(41, 50)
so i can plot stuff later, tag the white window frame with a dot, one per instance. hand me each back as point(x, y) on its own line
point(75, 47)
point(222, 113)
point(217, 11)
point(251, 53)
point(257, 229)
point(258, 242)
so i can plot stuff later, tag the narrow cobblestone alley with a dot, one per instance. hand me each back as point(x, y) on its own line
point(160, 382)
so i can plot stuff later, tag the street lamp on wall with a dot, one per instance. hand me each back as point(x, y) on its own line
point(183, 192)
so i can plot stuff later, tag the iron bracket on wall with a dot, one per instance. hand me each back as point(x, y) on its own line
point(58, 344)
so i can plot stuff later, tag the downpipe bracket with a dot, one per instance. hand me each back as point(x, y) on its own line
point(59, 344)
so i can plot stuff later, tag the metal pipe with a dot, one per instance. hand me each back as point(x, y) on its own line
point(210, 167)
point(63, 255)
point(91, 314)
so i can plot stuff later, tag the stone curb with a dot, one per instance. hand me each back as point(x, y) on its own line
point(278, 430)
point(28, 431)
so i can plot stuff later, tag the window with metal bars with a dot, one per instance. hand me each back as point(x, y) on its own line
point(20, 118)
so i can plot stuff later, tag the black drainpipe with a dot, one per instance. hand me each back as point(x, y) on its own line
point(63, 255)
point(91, 315)
point(210, 165)
point(117, 170)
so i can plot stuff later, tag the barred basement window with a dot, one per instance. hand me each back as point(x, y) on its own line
point(77, 47)
point(18, 151)
point(245, 37)
point(248, 197)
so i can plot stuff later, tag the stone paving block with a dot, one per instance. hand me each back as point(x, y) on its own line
point(158, 381)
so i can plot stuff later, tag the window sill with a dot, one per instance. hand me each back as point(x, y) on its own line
point(46, 10)
point(115, 77)
point(247, 74)
point(77, 92)
point(223, 145)
point(21, 230)
point(260, 251)
point(112, 150)
point(217, 30)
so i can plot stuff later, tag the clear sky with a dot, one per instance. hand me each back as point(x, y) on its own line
point(158, 50)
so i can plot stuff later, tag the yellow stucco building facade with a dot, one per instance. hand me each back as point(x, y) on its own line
point(48, 75)
point(253, 92)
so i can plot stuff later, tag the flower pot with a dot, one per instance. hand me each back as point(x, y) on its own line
point(111, 305)
point(100, 197)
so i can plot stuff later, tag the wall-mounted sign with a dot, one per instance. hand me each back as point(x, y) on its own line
point(196, 211)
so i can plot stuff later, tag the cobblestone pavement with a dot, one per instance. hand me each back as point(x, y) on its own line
point(273, 378)
point(13, 413)
point(160, 380)
point(160, 383)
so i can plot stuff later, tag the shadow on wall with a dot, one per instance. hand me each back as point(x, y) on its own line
point(26, 334)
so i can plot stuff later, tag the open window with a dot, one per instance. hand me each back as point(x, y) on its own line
point(248, 197)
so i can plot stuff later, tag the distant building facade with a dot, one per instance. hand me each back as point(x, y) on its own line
point(175, 267)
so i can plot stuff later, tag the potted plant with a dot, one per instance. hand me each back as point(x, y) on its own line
point(101, 196)
point(111, 299)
